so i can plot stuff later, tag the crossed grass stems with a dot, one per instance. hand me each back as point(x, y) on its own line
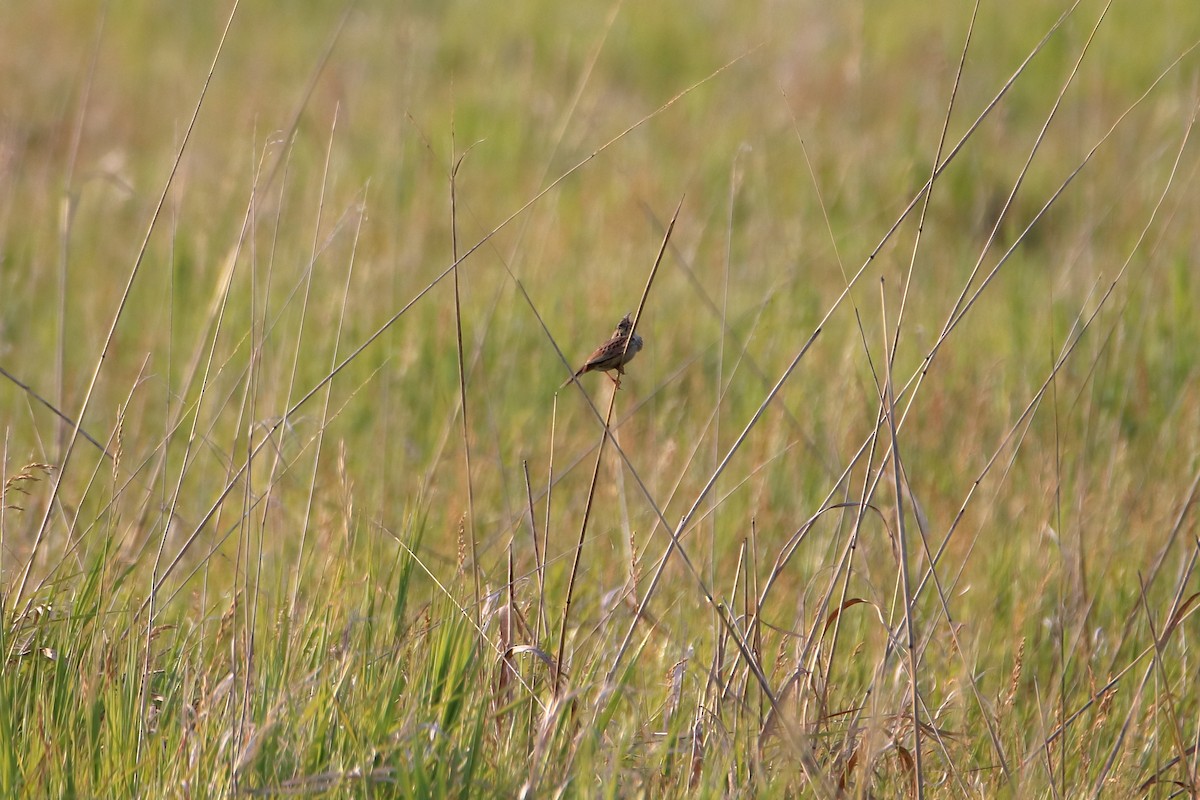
point(881, 452)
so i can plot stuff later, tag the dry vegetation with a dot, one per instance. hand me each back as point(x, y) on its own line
point(899, 499)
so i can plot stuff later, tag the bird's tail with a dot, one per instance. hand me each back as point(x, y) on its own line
point(573, 377)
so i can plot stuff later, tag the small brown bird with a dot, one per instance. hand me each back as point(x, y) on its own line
point(614, 354)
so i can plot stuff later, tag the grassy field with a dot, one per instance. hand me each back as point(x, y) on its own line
point(898, 500)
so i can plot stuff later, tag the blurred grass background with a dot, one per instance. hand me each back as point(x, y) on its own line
point(312, 203)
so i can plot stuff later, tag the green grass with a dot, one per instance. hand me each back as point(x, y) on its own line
point(251, 596)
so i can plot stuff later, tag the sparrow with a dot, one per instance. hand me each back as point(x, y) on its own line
point(614, 354)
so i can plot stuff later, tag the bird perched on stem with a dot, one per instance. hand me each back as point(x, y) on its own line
point(614, 354)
